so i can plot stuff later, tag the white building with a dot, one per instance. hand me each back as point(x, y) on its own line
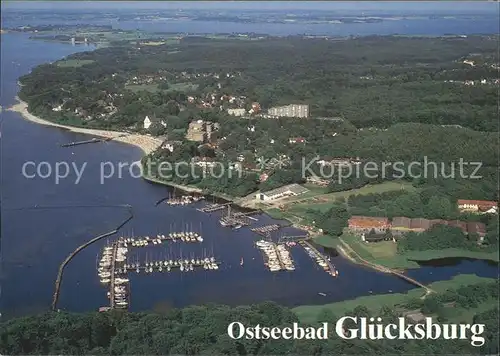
point(147, 122)
point(285, 191)
point(292, 110)
point(236, 112)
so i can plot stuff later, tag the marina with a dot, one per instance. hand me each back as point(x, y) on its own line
point(184, 200)
point(114, 266)
point(184, 236)
point(267, 229)
point(277, 256)
point(233, 220)
point(321, 260)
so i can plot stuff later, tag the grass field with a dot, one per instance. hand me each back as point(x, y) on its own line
point(323, 202)
point(185, 87)
point(138, 87)
point(309, 313)
point(74, 63)
point(385, 252)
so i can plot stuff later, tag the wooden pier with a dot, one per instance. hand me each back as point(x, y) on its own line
point(266, 230)
point(112, 277)
point(93, 140)
point(165, 268)
point(331, 267)
point(295, 237)
point(247, 215)
point(213, 207)
point(155, 240)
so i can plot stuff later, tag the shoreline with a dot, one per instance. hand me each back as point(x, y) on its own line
point(146, 144)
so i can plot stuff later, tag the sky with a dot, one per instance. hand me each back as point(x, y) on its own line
point(407, 7)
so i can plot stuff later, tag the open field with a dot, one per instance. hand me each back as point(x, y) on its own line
point(385, 252)
point(184, 87)
point(323, 202)
point(139, 87)
point(309, 313)
point(317, 199)
point(75, 63)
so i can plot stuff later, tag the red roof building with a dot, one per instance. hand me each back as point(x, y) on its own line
point(368, 223)
point(477, 205)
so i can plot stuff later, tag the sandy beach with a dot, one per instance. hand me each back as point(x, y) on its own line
point(146, 143)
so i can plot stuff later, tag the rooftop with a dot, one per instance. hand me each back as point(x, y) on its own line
point(484, 203)
point(293, 188)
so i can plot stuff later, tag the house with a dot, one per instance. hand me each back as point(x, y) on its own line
point(236, 112)
point(204, 162)
point(317, 181)
point(196, 131)
point(263, 177)
point(401, 225)
point(297, 140)
point(147, 122)
point(256, 108)
point(477, 228)
point(285, 191)
point(477, 206)
point(368, 223)
point(170, 145)
point(292, 110)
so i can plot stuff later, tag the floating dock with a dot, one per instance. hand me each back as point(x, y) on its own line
point(184, 265)
point(278, 257)
point(213, 207)
point(266, 230)
point(323, 261)
point(191, 237)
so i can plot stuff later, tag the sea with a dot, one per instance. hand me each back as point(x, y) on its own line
point(44, 220)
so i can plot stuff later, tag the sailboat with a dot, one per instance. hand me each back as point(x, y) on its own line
point(241, 262)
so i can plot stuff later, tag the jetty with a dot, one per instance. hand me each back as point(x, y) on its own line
point(213, 207)
point(192, 237)
point(267, 229)
point(248, 215)
point(112, 277)
point(60, 273)
point(323, 261)
point(184, 265)
point(277, 257)
point(76, 143)
point(295, 238)
point(382, 268)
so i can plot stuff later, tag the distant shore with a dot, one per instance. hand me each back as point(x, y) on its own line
point(146, 143)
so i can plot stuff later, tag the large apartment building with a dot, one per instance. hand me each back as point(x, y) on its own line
point(292, 110)
point(201, 131)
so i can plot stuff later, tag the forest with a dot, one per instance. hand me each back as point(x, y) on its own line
point(385, 99)
point(202, 330)
point(372, 81)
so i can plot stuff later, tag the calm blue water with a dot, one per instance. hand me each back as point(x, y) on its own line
point(408, 18)
point(35, 239)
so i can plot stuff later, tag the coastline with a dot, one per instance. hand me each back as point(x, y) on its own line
point(147, 144)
